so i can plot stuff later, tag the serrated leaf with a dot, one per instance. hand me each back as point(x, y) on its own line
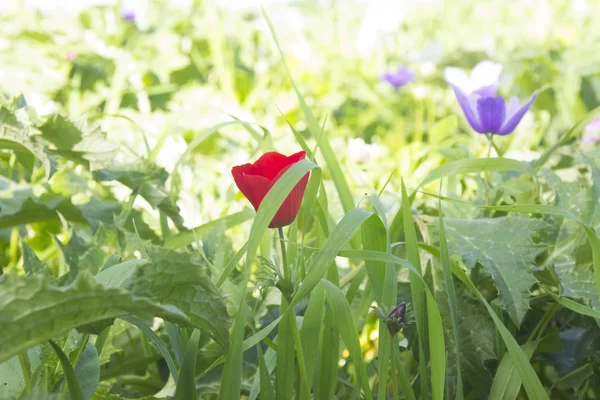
point(34, 310)
point(178, 279)
point(504, 246)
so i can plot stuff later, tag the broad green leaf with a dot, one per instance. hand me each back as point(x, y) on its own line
point(551, 210)
point(35, 310)
point(505, 248)
point(87, 371)
point(180, 280)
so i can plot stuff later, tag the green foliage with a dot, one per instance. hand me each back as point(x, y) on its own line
point(132, 268)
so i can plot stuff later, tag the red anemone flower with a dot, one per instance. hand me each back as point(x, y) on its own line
point(255, 181)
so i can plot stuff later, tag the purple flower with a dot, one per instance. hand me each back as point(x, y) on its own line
point(129, 15)
point(484, 78)
point(399, 78)
point(487, 113)
point(590, 139)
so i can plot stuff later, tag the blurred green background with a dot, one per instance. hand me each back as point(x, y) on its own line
point(181, 68)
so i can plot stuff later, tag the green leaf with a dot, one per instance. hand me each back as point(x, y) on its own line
point(157, 341)
point(332, 246)
point(347, 327)
point(476, 165)
point(61, 132)
point(416, 284)
point(507, 382)
point(180, 280)
point(189, 236)
point(74, 388)
point(186, 386)
point(533, 386)
point(35, 310)
point(87, 371)
point(505, 248)
point(449, 283)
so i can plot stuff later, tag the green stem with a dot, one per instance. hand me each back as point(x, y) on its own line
point(26, 368)
point(394, 376)
point(286, 271)
point(304, 389)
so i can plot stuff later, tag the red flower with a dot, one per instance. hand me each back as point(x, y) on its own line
point(255, 180)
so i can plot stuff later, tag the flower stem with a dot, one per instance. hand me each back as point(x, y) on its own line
point(286, 267)
point(304, 390)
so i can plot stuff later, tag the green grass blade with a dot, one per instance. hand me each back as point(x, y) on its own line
point(231, 264)
point(332, 246)
point(507, 382)
point(186, 386)
point(74, 389)
point(416, 285)
point(347, 328)
point(175, 340)
point(266, 388)
point(157, 341)
point(315, 129)
point(437, 347)
point(310, 332)
point(188, 237)
point(475, 165)
point(285, 370)
point(447, 269)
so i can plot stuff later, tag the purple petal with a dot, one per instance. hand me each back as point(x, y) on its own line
point(492, 111)
point(593, 126)
point(513, 120)
point(486, 91)
point(590, 139)
point(129, 16)
point(468, 110)
point(399, 78)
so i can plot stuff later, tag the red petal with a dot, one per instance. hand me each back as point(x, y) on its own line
point(272, 163)
point(254, 187)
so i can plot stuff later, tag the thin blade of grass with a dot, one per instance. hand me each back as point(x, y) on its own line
point(186, 386)
point(347, 328)
point(416, 285)
point(188, 237)
point(266, 388)
point(157, 341)
point(313, 125)
point(507, 382)
point(476, 165)
point(447, 269)
point(310, 332)
point(74, 389)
